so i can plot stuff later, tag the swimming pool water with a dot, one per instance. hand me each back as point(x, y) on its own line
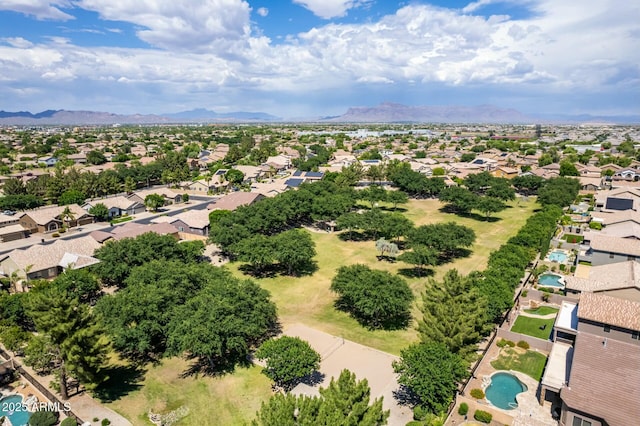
point(503, 390)
point(550, 280)
point(12, 407)
point(558, 256)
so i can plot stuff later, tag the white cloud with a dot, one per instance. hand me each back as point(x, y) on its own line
point(207, 25)
point(18, 42)
point(407, 54)
point(262, 11)
point(40, 9)
point(328, 9)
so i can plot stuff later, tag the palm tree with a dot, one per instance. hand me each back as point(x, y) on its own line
point(67, 215)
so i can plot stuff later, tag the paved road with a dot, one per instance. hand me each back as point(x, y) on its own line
point(195, 203)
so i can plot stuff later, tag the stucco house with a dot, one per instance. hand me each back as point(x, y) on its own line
point(50, 219)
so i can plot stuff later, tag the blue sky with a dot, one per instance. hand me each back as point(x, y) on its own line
point(307, 58)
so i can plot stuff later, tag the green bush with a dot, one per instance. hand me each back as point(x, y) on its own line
point(419, 413)
point(55, 235)
point(105, 422)
point(524, 293)
point(43, 418)
point(573, 268)
point(482, 416)
point(563, 267)
point(595, 225)
point(524, 345)
point(463, 409)
point(69, 422)
point(511, 343)
point(502, 343)
point(477, 393)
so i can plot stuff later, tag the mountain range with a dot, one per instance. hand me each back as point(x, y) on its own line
point(386, 112)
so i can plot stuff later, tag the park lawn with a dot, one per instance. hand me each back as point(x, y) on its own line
point(528, 362)
point(230, 399)
point(308, 299)
point(532, 326)
point(542, 310)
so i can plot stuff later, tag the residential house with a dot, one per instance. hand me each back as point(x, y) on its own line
point(618, 199)
point(279, 162)
point(135, 229)
point(605, 249)
point(50, 219)
point(251, 173)
point(505, 172)
point(79, 158)
point(192, 221)
point(47, 161)
point(617, 280)
point(13, 232)
point(48, 260)
point(118, 205)
point(169, 196)
point(269, 189)
point(596, 379)
point(234, 200)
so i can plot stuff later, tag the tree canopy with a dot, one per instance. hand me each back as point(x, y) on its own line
point(288, 359)
point(376, 299)
point(345, 402)
point(431, 373)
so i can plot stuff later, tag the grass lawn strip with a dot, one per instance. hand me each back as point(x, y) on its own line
point(542, 310)
point(536, 327)
point(528, 362)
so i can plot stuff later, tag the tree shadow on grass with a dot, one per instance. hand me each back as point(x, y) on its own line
point(416, 272)
point(123, 379)
point(355, 236)
point(221, 366)
point(276, 269)
point(450, 209)
point(458, 253)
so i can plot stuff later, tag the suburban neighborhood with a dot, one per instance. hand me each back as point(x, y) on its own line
point(411, 274)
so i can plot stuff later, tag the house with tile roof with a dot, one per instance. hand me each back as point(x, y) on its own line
point(596, 379)
point(117, 206)
point(191, 221)
point(604, 249)
point(234, 200)
point(48, 260)
point(50, 218)
point(617, 280)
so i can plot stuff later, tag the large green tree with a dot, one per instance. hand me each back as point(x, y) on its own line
point(118, 258)
point(453, 313)
point(377, 299)
point(346, 402)
point(288, 359)
point(431, 372)
point(294, 250)
point(80, 345)
point(222, 323)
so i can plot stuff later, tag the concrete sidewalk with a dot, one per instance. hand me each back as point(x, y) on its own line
point(365, 362)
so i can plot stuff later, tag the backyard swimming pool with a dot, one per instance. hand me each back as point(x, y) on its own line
point(558, 256)
point(503, 390)
point(13, 408)
point(551, 280)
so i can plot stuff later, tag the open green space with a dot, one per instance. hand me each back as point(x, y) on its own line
point(235, 398)
point(536, 327)
point(227, 400)
point(528, 362)
point(542, 310)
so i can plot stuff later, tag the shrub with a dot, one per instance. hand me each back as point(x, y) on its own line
point(63, 230)
point(55, 235)
point(595, 225)
point(482, 416)
point(69, 422)
point(463, 409)
point(107, 422)
point(502, 343)
point(420, 413)
point(43, 418)
point(477, 393)
point(546, 297)
point(511, 343)
point(563, 267)
point(573, 268)
point(524, 345)
point(524, 293)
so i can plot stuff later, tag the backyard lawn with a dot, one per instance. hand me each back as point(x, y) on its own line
point(542, 310)
point(536, 327)
point(528, 362)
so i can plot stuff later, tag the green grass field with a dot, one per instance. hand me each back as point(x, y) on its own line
point(530, 363)
point(536, 327)
point(235, 398)
point(232, 399)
